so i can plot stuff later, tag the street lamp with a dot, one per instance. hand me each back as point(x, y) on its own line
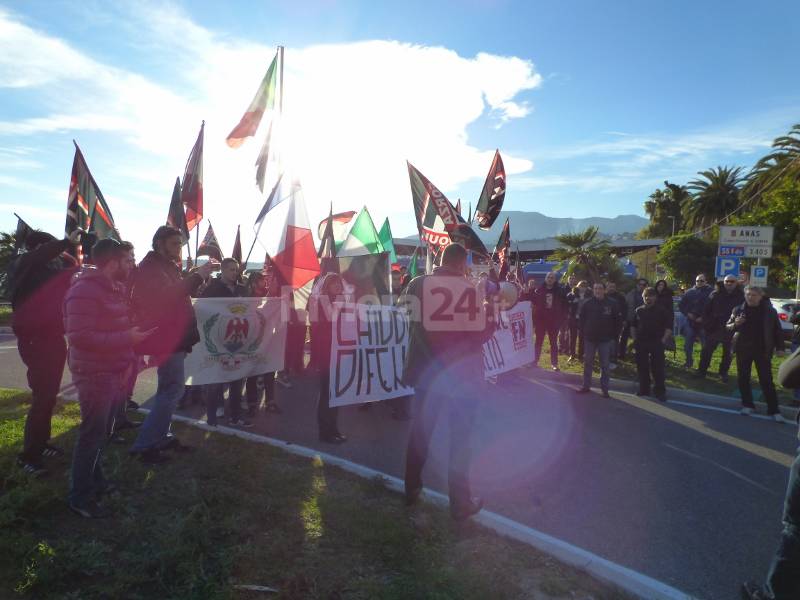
point(673, 224)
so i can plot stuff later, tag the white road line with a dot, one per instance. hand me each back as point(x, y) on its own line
point(718, 409)
point(631, 581)
point(724, 468)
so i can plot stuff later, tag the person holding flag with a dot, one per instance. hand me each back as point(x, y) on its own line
point(39, 279)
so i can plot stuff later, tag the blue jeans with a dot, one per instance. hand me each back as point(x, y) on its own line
point(155, 431)
point(691, 334)
point(783, 580)
point(604, 349)
point(98, 396)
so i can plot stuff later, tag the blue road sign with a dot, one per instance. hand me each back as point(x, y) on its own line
point(731, 251)
point(727, 265)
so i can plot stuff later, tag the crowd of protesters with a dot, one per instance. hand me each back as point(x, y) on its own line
point(113, 314)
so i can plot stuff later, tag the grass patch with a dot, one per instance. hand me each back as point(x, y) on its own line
point(679, 377)
point(236, 512)
point(5, 315)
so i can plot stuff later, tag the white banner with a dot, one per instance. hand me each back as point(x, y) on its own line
point(239, 337)
point(511, 345)
point(369, 344)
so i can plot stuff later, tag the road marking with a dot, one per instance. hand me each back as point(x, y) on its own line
point(724, 468)
point(663, 411)
point(629, 580)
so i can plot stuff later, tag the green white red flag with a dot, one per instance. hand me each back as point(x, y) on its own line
point(263, 101)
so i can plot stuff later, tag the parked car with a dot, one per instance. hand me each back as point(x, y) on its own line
point(786, 307)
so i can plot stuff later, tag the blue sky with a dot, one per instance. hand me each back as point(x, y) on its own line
point(592, 104)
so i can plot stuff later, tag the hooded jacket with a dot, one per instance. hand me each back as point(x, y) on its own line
point(161, 298)
point(39, 280)
point(97, 325)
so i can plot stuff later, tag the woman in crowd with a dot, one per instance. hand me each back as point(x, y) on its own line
point(664, 295)
point(328, 288)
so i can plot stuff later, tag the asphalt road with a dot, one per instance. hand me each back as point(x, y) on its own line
point(688, 496)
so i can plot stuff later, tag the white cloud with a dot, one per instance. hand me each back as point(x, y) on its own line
point(354, 112)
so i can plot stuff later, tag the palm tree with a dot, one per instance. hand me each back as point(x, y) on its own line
point(784, 160)
point(583, 251)
point(714, 196)
point(665, 209)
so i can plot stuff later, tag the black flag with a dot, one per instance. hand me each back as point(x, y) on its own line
point(494, 192)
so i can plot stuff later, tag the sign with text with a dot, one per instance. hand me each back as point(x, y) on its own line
point(511, 346)
point(745, 235)
point(369, 347)
point(239, 337)
point(758, 276)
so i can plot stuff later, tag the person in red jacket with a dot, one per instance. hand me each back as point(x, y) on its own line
point(39, 279)
point(101, 339)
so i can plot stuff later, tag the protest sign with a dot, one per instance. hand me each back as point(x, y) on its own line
point(239, 337)
point(369, 347)
point(511, 346)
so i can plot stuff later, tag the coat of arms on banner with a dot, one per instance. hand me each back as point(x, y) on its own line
point(234, 334)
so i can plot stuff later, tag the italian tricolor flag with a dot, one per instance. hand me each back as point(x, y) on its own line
point(264, 100)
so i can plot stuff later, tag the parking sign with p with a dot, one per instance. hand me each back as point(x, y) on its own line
point(727, 265)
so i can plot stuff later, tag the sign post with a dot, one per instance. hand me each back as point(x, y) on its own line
point(745, 241)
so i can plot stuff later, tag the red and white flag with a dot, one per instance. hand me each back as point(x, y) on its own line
point(286, 233)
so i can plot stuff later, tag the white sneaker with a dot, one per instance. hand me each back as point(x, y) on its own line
point(746, 410)
point(612, 366)
point(779, 418)
point(220, 413)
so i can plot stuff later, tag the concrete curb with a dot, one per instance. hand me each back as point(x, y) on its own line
point(6, 331)
point(620, 385)
point(626, 579)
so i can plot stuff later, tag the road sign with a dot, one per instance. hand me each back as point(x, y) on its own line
point(758, 276)
point(727, 265)
point(745, 235)
point(731, 251)
point(746, 251)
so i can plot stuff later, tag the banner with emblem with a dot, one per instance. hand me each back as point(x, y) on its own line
point(511, 346)
point(239, 337)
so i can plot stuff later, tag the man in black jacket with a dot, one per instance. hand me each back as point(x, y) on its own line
point(161, 299)
point(444, 363)
point(101, 340)
point(758, 334)
point(39, 280)
point(601, 320)
point(716, 312)
point(783, 578)
point(226, 286)
point(651, 328)
point(549, 310)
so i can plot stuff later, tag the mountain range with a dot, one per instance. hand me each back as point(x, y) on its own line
point(526, 226)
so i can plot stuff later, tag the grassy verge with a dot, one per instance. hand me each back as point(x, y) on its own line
point(238, 513)
point(5, 315)
point(679, 377)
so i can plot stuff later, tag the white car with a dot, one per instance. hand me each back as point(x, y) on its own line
point(786, 308)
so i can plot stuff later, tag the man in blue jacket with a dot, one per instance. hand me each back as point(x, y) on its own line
point(101, 340)
point(691, 306)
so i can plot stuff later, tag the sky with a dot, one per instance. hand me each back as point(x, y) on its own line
point(592, 104)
